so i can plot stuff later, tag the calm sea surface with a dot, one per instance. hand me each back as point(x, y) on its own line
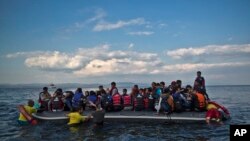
point(235, 98)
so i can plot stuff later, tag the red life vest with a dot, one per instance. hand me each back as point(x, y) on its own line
point(127, 100)
point(146, 102)
point(201, 100)
point(57, 104)
point(116, 100)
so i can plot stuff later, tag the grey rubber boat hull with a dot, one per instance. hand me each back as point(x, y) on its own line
point(129, 116)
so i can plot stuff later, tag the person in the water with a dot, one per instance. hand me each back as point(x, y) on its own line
point(75, 117)
point(214, 113)
point(29, 109)
point(98, 117)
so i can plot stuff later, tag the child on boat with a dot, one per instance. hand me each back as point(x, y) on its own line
point(25, 113)
point(75, 117)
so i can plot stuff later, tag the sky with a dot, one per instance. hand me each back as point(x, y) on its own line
point(63, 41)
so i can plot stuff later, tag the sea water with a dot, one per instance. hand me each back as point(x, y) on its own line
point(235, 98)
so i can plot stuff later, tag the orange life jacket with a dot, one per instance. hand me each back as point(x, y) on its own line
point(201, 100)
point(116, 100)
point(146, 102)
point(127, 100)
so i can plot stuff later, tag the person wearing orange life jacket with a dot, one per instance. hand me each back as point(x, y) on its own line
point(126, 100)
point(117, 102)
point(213, 112)
point(199, 101)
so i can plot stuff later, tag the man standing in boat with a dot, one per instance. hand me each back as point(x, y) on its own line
point(200, 80)
point(113, 89)
point(199, 84)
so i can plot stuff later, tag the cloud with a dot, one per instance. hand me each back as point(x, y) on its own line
point(141, 33)
point(102, 61)
point(99, 15)
point(209, 50)
point(191, 67)
point(131, 45)
point(119, 24)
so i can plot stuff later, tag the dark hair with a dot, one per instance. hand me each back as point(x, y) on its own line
point(76, 109)
point(92, 93)
point(113, 83)
point(162, 83)
point(45, 88)
point(31, 103)
point(79, 90)
point(178, 81)
point(188, 86)
point(153, 83)
point(87, 93)
point(59, 90)
point(69, 92)
point(124, 90)
point(166, 90)
point(199, 72)
point(149, 89)
point(101, 87)
point(136, 86)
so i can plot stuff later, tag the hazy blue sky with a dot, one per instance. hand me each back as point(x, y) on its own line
point(63, 41)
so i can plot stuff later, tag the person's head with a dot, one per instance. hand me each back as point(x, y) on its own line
point(31, 103)
point(86, 93)
point(136, 87)
point(141, 91)
point(166, 90)
point(45, 89)
point(149, 90)
point(59, 92)
point(198, 73)
point(162, 84)
point(100, 87)
point(173, 83)
point(113, 84)
point(92, 93)
point(79, 90)
point(77, 109)
point(124, 91)
point(189, 88)
point(178, 82)
point(69, 93)
point(153, 84)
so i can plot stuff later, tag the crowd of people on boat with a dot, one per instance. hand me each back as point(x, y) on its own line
point(158, 97)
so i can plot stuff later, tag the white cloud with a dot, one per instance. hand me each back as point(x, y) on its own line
point(78, 26)
point(99, 15)
point(141, 33)
point(102, 60)
point(191, 67)
point(209, 50)
point(131, 45)
point(119, 24)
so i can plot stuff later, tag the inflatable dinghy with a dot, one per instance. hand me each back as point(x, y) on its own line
point(129, 116)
